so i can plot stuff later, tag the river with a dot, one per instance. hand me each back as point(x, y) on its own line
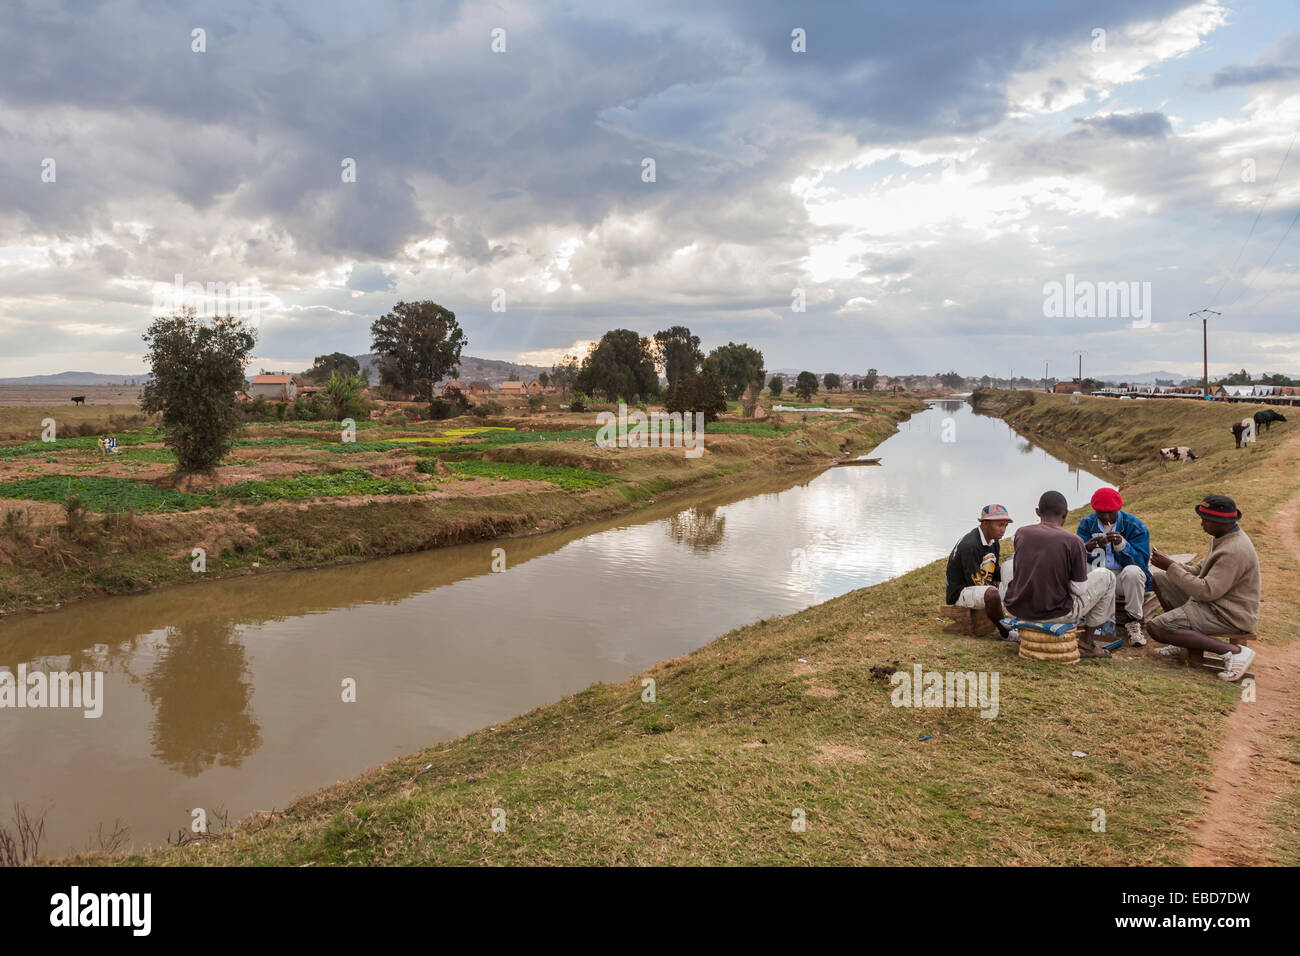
point(228, 695)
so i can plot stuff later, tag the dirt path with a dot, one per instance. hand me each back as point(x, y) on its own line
point(1249, 772)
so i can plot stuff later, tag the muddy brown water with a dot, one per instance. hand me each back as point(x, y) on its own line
point(227, 695)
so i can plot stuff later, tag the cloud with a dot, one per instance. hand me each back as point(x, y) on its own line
point(894, 167)
point(1125, 125)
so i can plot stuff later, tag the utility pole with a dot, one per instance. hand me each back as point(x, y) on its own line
point(1081, 353)
point(1045, 388)
point(1204, 316)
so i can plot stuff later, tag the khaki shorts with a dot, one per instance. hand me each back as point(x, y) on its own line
point(1187, 615)
point(973, 596)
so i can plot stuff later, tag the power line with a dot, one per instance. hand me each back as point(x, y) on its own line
point(1270, 255)
point(1258, 216)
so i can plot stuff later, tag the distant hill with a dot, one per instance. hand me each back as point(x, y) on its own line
point(1143, 378)
point(76, 378)
point(472, 369)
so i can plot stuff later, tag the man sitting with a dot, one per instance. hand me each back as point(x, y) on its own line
point(1119, 542)
point(1220, 595)
point(975, 569)
point(1052, 584)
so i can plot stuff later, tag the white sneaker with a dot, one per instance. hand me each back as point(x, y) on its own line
point(1135, 636)
point(1235, 665)
point(1171, 650)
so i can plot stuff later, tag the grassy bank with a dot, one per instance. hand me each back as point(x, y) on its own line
point(76, 522)
point(784, 721)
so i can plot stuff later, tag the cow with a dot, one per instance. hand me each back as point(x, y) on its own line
point(1243, 431)
point(1267, 416)
point(78, 399)
point(1179, 453)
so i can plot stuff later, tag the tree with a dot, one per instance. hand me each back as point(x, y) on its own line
point(805, 386)
point(678, 352)
point(951, 379)
point(869, 383)
point(831, 381)
point(703, 392)
point(620, 366)
point(564, 372)
point(345, 396)
point(418, 343)
point(334, 363)
point(737, 366)
point(198, 372)
point(777, 386)
point(544, 379)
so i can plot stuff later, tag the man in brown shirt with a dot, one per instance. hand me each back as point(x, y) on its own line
point(1220, 595)
point(1051, 583)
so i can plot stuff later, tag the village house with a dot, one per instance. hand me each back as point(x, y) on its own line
point(1065, 388)
point(277, 388)
point(514, 388)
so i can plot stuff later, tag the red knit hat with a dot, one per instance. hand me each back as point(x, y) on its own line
point(1106, 499)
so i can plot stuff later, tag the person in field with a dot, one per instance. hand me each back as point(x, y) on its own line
point(975, 566)
point(1217, 596)
point(1052, 583)
point(1120, 543)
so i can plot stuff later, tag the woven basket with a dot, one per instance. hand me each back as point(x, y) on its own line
point(1049, 647)
point(1056, 657)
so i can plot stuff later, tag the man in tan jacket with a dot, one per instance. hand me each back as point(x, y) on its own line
point(1220, 595)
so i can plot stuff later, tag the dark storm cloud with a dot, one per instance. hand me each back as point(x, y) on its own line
point(560, 122)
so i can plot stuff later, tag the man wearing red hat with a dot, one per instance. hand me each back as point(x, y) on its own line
point(1119, 542)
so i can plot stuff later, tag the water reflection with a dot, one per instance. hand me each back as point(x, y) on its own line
point(201, 689)
point(228, 692)
point(699, 528)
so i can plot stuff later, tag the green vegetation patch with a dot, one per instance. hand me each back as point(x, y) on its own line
point(494, 439)
point(83, 443)
point(754, 429)
point(570, 479)
point(102, 494)
point(351, 482)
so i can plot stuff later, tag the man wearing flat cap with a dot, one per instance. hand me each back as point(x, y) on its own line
point(1217, 596)
point(1119, 542)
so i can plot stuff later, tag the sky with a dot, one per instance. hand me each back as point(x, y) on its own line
point(910, 186)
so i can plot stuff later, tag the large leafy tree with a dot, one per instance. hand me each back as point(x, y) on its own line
point(678, 352)
point(832, 381)
point(620, 365)
point(777, 386)
point(805, 386)
point(336, 363)
point(418, 344)
point(702, 392)
point(737, 365)
point(198, 372)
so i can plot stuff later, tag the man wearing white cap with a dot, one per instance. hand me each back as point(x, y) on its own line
point(974, 575)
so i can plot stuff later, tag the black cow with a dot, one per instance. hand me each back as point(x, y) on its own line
point(1239, 430)
point(78, 399)
point(1267, 417)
